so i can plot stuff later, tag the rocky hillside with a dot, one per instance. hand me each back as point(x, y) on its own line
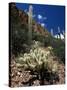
point(22, 18)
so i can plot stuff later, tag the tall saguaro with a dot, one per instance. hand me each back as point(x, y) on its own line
point(30, 13)
point(59, 32)
point(51, 31)
point(63, 34)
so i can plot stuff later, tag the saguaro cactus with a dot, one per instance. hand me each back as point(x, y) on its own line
point(30, 24)
point(59, 32)
point(51, 31)
point(64, 34)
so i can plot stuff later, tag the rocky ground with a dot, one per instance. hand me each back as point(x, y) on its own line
point(20, 78)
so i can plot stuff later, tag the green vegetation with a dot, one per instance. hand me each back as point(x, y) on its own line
point(59, 49)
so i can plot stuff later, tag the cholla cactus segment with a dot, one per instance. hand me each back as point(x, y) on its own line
point(55, 68)
point(36, 44)
point(21, 58)
point(50, 48)
point(52, 66)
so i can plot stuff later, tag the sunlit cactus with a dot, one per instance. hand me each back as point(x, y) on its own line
point(30, 24)
point(39, 60)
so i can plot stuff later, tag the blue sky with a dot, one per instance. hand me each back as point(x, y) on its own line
point(49, 16)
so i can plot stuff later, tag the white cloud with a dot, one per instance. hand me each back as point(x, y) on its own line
point(42, 24)
point(39, 16)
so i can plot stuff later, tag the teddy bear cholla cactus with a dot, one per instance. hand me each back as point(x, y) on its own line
point(37, 60)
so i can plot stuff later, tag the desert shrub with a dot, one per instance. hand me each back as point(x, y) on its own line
point(43, 39)
point(60, 52)
point(46, 41)
point(18, 39)
point(37, 37)
point(18, 31)
point(59, 49)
